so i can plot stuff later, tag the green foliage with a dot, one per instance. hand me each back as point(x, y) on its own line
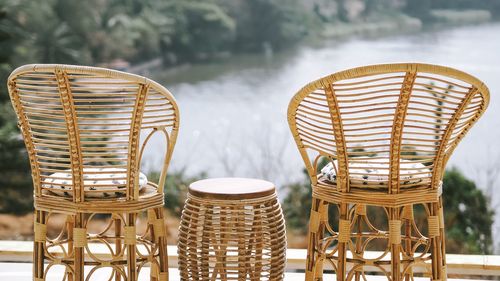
point(176, 185)
point(90, 32)
point(99, 31)
point(15, 177)
point(342, 13)
point(419, 8)
point(377, 6)
point(273, 23)
point(297, 205)
point(468, 217)
point(202, 29)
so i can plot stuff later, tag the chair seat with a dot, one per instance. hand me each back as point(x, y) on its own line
point(98, 183)
point(373, 174)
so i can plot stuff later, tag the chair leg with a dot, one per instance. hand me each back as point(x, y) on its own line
point(357, 227)
point(160, 238)
point(70, 225)
point(38, 252)
point(323, 220)
point(436, 239)
point(395, 242)
point(408, 218)
point(314, 236)
point(442, 235)
point(130, 242)
point(78, 250)
point(343, 238)
point(152, 220)
point(118, 241)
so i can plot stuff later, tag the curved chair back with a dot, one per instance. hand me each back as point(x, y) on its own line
point(79, 120)
point(395, 117)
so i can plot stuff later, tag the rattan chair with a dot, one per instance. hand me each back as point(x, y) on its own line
point(85, 130)
point(387, 132)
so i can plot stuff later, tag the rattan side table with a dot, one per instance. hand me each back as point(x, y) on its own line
point(232, 229)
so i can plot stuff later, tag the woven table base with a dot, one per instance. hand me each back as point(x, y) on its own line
point(230, 239)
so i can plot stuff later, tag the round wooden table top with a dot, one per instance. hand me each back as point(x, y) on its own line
point(231, 188)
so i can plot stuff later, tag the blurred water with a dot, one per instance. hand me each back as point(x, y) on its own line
point(233, 114)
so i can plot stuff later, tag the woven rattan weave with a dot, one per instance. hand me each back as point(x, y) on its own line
point(232, 229)
point(403, 119)
point(84, 122)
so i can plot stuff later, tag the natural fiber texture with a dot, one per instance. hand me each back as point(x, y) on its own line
point(232, 239)
point(408, 213)
point(163, 276)
point(40, 232)
point(80, 237)
point(403, 119)
point(441, 217)
point(445, 275)
point(315, 219)
point(159, 228)
point(395, 231)
point(81, 123)
point(130, 238)
point(433, 226)
point(344, 230)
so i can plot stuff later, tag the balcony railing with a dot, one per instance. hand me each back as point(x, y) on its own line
point(16, 256)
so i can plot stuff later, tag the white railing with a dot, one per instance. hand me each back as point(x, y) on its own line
point(459, 266)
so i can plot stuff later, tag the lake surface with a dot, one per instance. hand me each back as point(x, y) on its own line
point(233, 113)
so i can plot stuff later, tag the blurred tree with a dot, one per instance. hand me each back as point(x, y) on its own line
point(99, 31)
point(50, 38)
point(176, 185)
point(376, 7)
point(264, 24)
point(201, 30)
point(468, 217)
point(419, 9)
point(15, 182)
point(343, 14)
point(15, 177)
point(297, 205)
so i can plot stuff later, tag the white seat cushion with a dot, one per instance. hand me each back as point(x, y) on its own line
point(373, 174)
point(98, 182)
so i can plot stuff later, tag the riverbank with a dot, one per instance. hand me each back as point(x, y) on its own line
point(401, 23)
point(379, 26)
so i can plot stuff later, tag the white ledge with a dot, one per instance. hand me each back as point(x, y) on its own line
point(458, 265)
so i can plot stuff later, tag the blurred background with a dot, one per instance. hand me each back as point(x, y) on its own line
point(233, 66)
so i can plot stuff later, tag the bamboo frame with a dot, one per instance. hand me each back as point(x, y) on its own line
point(384, 114)
point(77, 117)
point(236, 235)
